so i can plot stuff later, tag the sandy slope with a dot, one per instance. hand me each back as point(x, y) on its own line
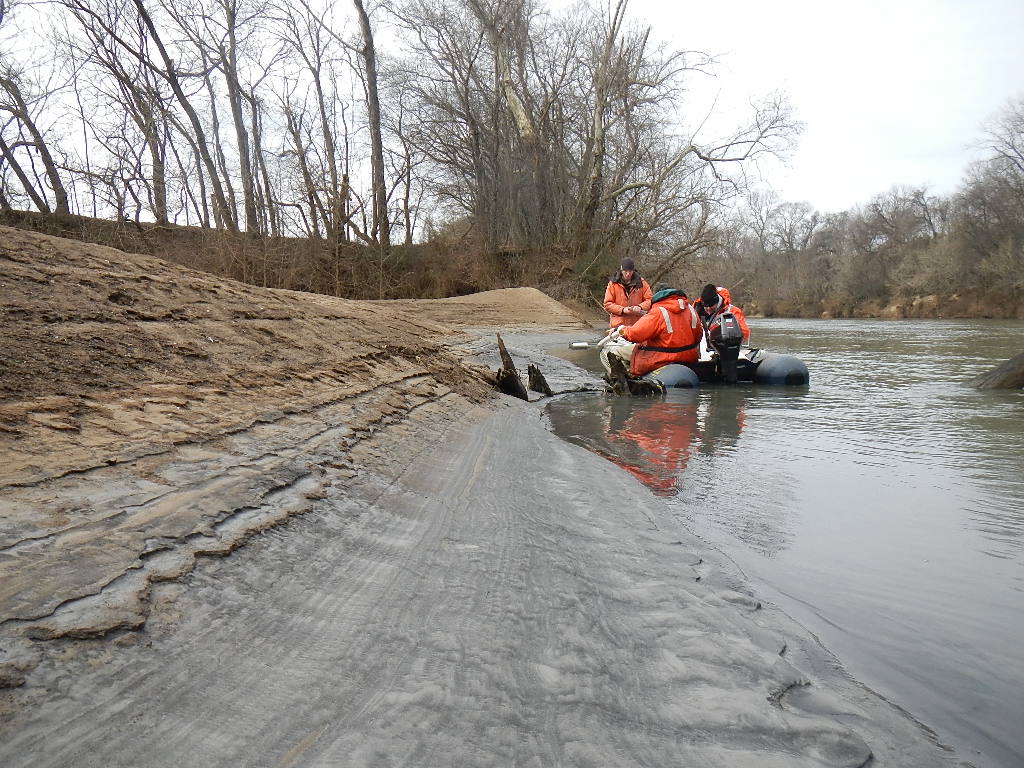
point(428, 577)
point(119, 366)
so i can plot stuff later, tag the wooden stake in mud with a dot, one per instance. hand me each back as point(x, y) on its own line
point(537, 381)
point(507, 376)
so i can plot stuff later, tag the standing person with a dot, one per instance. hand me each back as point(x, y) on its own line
point(669, 333)
point(627, 297)
point(715, 301)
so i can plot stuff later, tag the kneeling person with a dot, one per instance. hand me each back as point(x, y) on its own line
point(669, 333)
point(714, 302)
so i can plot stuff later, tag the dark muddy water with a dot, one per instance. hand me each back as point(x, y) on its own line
point(883, 506)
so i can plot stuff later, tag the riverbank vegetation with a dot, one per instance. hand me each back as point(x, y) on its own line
point(419, 148)
point(905, 253)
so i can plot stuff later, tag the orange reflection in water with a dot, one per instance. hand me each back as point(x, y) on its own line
point(654, 439)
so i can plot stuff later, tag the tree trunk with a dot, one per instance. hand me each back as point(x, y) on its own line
point(270, 212)
point(594, 189)
point(336, 221)
point(151, 131)
point(30, 190)
point(219, 159)
point(1009, 375)
point(380, 196)
point(229, 63)
point(60, 195)
point(316, 210)
point(170, 73)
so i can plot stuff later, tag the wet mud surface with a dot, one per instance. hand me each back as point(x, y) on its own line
point(334, 544)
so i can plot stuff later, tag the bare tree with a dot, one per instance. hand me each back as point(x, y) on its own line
point(9, 157)
point(21, 136)
point(169, 70)
point(378, 231)
point(125, 85)
point(1004, 140)
point(18, 103)
point(553, 134)
point(313, 132)
point(223, 32)
point(607, 73)
point(794, 226)
point(368, 52)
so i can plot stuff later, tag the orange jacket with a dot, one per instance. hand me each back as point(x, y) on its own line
point(726, 306)
point(617, 298)
point(669, 333)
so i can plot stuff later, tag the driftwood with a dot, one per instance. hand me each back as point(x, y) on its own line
point(537, 381)
point(507, 376)
point(623, 384)
point(1009, 375)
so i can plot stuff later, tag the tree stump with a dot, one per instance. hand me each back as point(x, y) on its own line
point(537, 381)
point(507, 376)
point(642, 387)
point(623, 384)
point(619, 376)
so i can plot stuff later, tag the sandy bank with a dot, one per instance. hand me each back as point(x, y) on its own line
point(252, 527)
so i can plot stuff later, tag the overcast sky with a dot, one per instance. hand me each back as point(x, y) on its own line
point(890, 92)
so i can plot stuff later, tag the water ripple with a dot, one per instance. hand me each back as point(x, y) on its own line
point(888, 496)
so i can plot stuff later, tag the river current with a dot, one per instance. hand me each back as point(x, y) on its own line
point(882, 506)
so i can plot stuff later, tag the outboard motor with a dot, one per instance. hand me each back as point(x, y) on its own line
point(725, 337)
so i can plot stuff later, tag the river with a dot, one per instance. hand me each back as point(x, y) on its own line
point(882, 506)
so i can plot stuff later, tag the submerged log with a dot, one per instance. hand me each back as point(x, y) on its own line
point(507, 376)
point(537, 381)
point(1009, 375)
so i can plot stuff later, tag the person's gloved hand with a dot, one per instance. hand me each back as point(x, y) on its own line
point(637, 310)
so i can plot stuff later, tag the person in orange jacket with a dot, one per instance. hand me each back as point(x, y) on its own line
point(627, 297)
point(715, 301)
point(670, 333)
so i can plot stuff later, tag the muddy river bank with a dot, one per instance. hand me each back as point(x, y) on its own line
point(476, 593)
point(269, 534)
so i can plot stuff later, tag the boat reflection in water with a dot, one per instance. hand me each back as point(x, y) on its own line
point(651, 438)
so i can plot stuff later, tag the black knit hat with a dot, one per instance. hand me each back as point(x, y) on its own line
point(627, 263)
point(709, 295)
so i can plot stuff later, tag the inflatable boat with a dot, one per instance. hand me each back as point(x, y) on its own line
point(723, 359)
point(752, 365)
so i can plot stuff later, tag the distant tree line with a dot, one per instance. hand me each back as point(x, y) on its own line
point(906, 250)
point(429, 147)
point(546, 145)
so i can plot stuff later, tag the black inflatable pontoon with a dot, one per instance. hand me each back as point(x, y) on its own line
point(752, 365)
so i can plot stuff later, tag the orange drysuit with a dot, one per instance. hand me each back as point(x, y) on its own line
point(617, 297)
point(669, 333)
point(726, 305)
